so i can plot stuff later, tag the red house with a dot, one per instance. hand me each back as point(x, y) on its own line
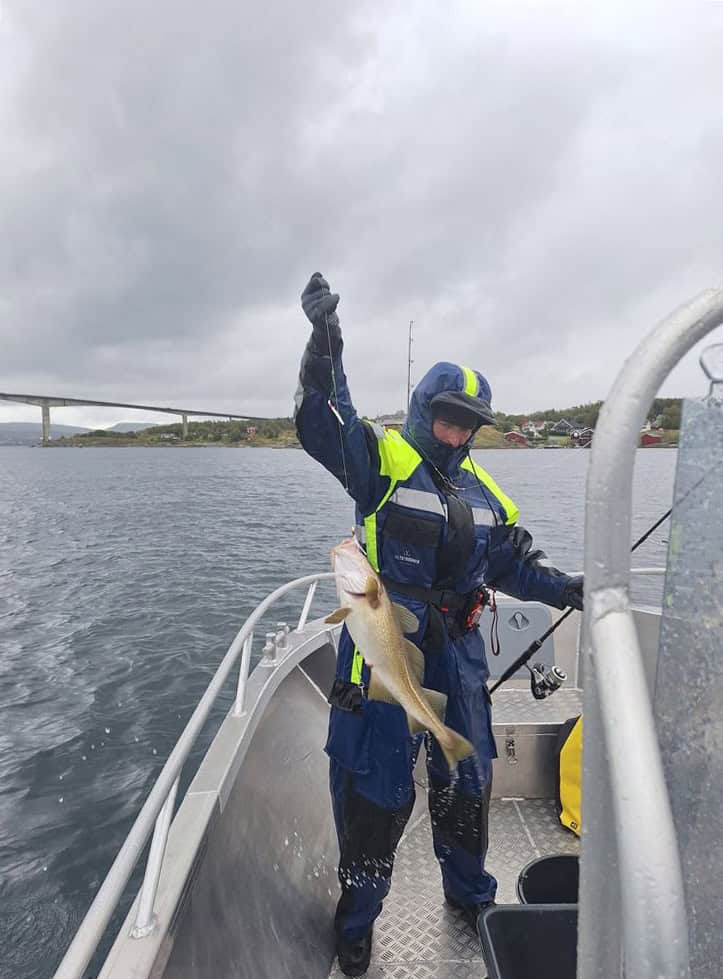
point(648, 438)
point(517, 438)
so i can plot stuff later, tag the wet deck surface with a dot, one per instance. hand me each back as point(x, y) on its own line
point(417, 934)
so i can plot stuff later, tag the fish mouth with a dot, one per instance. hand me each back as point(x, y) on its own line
point(352, 569)
point(343, 548)
point(350, 542)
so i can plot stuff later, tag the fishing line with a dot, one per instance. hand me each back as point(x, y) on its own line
point(534, 646)
point(335, 406)
point(677, 502)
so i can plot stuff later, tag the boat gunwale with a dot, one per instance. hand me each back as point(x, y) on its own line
point(92, 928)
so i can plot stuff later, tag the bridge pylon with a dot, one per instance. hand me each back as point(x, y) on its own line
point(45, 412)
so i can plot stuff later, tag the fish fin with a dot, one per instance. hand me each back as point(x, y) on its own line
point(408, 621)
point(415, 658)
point(377, 691)
point(455, 748)
point(437, 701)
point(371, 590)
point(414, 726)
point(338, 615)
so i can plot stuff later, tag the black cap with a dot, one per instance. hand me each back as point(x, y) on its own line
point(464, 410)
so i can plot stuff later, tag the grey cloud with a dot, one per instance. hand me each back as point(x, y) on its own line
point(525, 185)
point(169, 145)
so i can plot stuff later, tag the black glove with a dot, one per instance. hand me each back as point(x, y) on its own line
point(572, 595)
point(319, 304)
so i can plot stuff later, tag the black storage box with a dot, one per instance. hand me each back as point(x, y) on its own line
point(550, 880)
point(530, 941)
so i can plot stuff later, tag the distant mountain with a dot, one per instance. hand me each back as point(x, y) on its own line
point(132, 426)
point(29, 433)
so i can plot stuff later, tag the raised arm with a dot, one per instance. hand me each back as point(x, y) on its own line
point(327, 424)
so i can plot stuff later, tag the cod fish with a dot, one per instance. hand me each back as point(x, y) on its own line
point(377, 626)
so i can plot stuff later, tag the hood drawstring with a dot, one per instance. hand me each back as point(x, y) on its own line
point(483, 489)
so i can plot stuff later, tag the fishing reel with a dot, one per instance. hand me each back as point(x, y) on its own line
point(545, 680)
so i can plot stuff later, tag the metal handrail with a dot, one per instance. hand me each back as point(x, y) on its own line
point(651, 572)
point(157, 810)
point(631, 880)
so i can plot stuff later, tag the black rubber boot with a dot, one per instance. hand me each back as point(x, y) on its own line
point(354, 956)
point(470, 912)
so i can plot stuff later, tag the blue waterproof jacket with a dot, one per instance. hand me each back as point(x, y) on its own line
point(432, 518)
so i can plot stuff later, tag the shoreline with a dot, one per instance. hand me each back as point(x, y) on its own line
point(101, 444)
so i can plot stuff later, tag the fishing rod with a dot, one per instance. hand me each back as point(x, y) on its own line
point(546, 681)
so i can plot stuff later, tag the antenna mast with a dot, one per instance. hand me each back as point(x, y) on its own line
point(409, 366)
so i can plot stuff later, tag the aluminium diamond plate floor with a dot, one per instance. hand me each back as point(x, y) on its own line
point(417, 935)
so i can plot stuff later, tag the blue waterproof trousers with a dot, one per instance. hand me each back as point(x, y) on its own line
point(372, 788)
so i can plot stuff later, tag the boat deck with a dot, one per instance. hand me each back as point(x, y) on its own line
point(417, 934)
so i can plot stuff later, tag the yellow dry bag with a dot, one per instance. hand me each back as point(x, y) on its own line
point(570, 773)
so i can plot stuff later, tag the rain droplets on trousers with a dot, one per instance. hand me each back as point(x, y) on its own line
point(369, 833)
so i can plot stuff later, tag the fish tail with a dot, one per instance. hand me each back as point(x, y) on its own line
point(455, 747)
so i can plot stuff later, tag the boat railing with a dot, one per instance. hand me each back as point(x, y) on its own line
point(653, 572)
point(632, 897)
point(649, 572)
point(157, 811)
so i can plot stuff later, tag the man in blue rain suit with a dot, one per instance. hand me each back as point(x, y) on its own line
point(437, 528)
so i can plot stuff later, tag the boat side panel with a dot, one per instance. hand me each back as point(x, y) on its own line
point(689, 692)
point(526, 729)
point(263, 901)
point(518, 623)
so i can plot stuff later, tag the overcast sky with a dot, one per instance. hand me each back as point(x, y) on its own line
point(534, 184)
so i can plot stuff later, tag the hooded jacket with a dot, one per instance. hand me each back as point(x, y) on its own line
point(429, 518)
point(463, 531)
point(440, 379)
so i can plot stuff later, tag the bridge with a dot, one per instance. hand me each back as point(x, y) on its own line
point(46, 402)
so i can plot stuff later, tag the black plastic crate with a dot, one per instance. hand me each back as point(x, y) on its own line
point(530, 941)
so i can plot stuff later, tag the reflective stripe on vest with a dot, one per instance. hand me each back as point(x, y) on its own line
point(483, 516)
point(512, 512)
point(397, 460)
point(418, 500)
point(356, 667)
point(471, 382)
